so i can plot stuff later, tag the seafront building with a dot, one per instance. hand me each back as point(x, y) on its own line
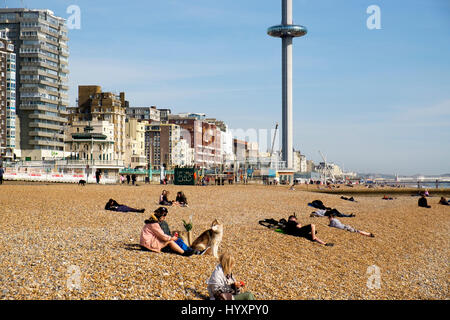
point(95, 105)
point(160, 141)
point(40, 42)
point(144, 113)
point(203, 137)
point(135, 156)
point(8, 149)
point(299, 162)
point(91, 140)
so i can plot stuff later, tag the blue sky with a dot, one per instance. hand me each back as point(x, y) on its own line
point(370, 100)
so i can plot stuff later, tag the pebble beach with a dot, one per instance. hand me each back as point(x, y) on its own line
point(58, 242)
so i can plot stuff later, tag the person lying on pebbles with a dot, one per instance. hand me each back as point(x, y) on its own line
point(349, 199)
point(335, 223)
point(154, 239)
point(294, 228)
point(444, 202)
point(112, 205)
point(326, 213)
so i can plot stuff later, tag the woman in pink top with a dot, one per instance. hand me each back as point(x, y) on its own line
point(153, 237)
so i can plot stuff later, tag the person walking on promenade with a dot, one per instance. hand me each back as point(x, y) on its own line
point(98, 175)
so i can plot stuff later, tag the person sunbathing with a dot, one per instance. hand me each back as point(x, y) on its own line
point(112, 205)
point(292, 227)
point(318, 204)
point(349, 199)
point(335, 223)
point(444, 202)
point(326, 213)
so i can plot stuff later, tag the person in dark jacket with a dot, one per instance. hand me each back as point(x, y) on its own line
point(444, 202)
point(1, 174)
point(112, 205)
point(98, 174)
point(423, 202)
point(181, 199)
point(163, 199)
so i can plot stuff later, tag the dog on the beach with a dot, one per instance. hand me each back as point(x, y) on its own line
point(82, 182)
point(210, 239)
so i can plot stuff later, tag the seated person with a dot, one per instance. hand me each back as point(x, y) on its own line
point(335, 223)
point(222, 285)
point(385, 197)
point(444, 202)
point(294, 228)
point(163, 199)
point(154, 239)
point(181, 199)
point(326, 213)
point(165, 228)
point(423, 202)
point(114, 206)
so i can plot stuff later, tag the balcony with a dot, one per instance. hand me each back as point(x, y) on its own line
point(45, 125)
point(47, 117)
point(50, 135)
point(35, 106)
point(48, 142)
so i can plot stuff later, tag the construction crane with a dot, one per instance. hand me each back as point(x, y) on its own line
point(273, 144)
point(326, 169)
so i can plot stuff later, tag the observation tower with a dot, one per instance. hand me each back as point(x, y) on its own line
point(287, 31)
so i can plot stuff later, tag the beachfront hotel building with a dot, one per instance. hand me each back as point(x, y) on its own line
point(203, 137)
point(135, 144)
point(95, 105)
point(40, 42)
point(7, 99)
point(160, 141)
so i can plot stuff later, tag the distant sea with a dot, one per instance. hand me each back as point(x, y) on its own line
point(431, 185)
